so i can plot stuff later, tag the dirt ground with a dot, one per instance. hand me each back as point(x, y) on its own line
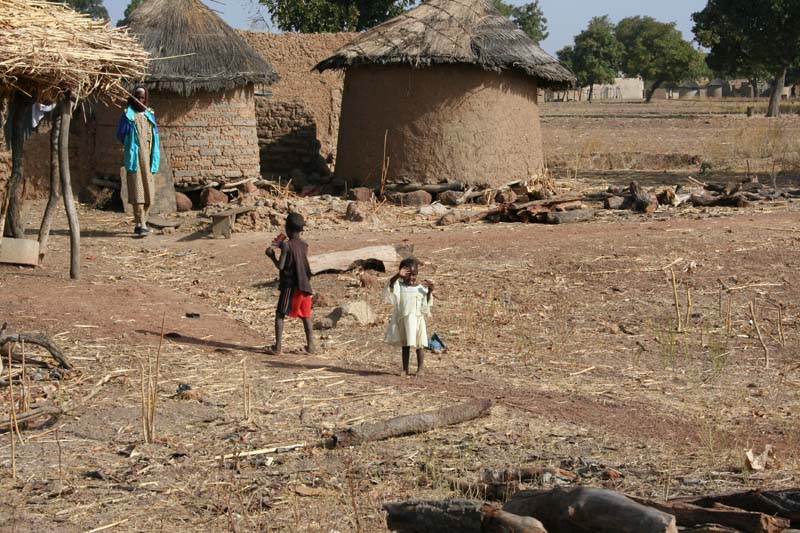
point(570, 330)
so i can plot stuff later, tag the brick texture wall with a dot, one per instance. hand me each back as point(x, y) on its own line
point(207, 137)
point(303, 103)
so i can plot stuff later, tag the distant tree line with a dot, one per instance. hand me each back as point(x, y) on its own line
point(635, 46)
point(752, 39)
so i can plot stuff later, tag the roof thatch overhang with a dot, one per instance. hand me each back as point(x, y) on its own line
point(194, 50)
point(47, 50)
point(438, 32)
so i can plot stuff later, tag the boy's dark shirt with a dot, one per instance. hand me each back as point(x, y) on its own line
point(296, 273)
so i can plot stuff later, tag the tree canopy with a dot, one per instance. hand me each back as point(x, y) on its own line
point(128, 10)
point(529, 17)
point(322, 16)
point(657, 52)
point(596, 56)
point(93, 8)
point(752, 38)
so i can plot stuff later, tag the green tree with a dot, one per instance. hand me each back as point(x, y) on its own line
point(128, 10)
point(93, 8)
point(321, 16)
point(657, 52)
point(752, 38)
point(596, 56)
point(529, 17)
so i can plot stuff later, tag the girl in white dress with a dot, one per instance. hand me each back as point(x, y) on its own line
point(410, 302)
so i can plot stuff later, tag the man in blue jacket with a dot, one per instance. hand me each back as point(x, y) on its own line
point(139, 134)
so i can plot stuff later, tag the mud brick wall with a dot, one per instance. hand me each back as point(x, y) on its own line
point(206, 137)
point(301, 102)
point(287, 137)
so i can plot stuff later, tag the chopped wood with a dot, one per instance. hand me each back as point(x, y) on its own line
point(410, 424)
point(580, 509)
point(39, 339)
point(581, 215)
point(782, 503)
point(456, 515)
point(381, 258)
point(614, 202)
point(641, 200)
point(709, 200)
point(688, 515)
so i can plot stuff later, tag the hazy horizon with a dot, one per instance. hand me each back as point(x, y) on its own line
point(566, 18)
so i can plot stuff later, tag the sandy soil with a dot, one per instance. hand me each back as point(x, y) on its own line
point(568, 329)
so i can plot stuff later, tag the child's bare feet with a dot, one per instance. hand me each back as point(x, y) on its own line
point(420, 373)
point(272, 350)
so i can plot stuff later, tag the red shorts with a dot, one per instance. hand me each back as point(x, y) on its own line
point(294, 303)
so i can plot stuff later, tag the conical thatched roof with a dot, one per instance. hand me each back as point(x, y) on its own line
point(452, 31)
point(205, 54)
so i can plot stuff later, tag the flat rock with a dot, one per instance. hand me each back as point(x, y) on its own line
point(182, 202)
point(360, 194)
point(212, 196)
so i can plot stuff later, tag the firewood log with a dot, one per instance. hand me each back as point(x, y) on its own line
point(579, 509)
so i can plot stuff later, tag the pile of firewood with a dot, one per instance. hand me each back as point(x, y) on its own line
point(582, 207)
point(581, 509)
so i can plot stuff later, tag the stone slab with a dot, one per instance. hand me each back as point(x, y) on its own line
point(19, 251)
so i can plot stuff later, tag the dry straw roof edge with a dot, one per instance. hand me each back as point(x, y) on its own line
point(194, 50)
point(452, 31)
point(47, 49)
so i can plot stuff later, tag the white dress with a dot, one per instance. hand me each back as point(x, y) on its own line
point(410, 304)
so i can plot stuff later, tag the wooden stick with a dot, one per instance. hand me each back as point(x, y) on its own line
point(65, 109)
point(12, 421)
point(108, 526)
point(677, 304)
point(780, 325)
point(688, 305)
point(760, 337)
point(263, 451)
point(55, 188)
point(729, 322)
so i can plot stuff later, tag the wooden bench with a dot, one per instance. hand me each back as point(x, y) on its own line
point(222, 222)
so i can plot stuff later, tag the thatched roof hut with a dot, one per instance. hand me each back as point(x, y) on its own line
point(201, 80)
point(205, 54)
point(452, 86)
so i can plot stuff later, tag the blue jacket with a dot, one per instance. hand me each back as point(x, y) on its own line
point(126, 133)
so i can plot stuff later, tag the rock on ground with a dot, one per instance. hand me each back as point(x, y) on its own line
point(213, 197)
point(360, 194)
point(354, 213)
point(182, 202)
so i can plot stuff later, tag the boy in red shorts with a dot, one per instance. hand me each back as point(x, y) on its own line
point(295, 281)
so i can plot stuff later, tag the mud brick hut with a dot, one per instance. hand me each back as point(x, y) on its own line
point(689, 90)
point(201, 81)
point(447, 91)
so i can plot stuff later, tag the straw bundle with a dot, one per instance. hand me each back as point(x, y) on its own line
point(47, 49)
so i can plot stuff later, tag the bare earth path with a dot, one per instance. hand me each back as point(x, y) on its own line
point(566, 328)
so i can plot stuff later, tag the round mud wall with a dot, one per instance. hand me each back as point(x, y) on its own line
point(441, 123)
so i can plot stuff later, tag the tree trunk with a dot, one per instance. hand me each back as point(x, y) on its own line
point(653, 90)
point(21, 112)
point(65, 110)
point(754, 87)
point(778, 84)
point(55, 187)
point(591, 92)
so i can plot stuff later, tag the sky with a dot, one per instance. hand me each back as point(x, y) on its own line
point(566, 18)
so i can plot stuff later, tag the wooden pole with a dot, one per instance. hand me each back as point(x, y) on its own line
point(55, 187)
point(13, 209)
point(65, 110)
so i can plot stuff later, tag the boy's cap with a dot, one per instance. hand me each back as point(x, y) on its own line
point(295, 221)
